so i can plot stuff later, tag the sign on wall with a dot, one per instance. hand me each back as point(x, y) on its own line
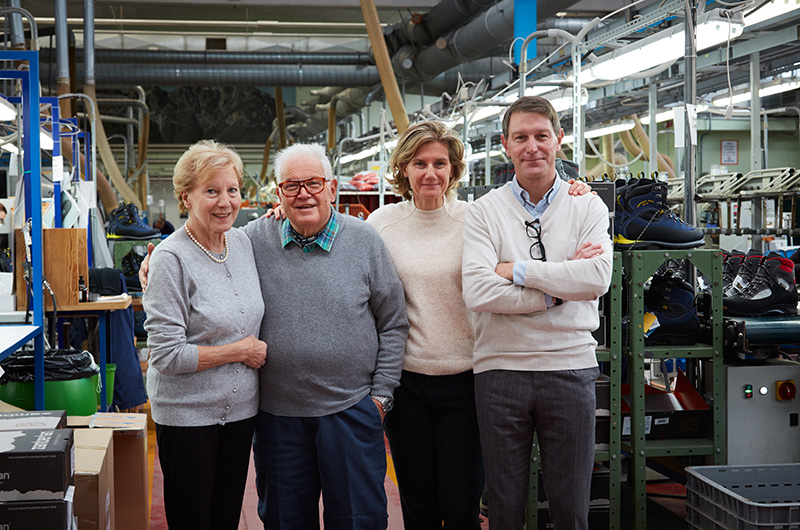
point(729, 152)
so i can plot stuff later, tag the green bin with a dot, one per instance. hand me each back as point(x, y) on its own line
point(77, 396)
point(111, 369)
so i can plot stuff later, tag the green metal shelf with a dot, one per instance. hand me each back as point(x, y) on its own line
point(639, 266)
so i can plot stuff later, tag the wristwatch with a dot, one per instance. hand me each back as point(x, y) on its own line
point(386, 402)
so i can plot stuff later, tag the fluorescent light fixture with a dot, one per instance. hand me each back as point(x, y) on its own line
point(8, 112)
point(712, 29)
point(45, 140)
point(488, 111)
point(368, 152)
point(563, 100)
point(776, 87)
point(482, 154)
point(776, 8)
point(669, 114)
point(626, 125)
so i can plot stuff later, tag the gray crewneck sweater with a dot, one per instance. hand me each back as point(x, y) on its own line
point(334, 323)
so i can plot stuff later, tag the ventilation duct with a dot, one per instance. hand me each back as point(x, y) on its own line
point(109, 75)
point(219, 57)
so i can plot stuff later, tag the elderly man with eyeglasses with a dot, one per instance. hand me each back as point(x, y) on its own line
point(335, 321)
point(535, 261)
point(336, 327)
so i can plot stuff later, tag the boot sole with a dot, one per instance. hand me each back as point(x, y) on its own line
point(626, 244)
point(137, 238)
point(774, 310)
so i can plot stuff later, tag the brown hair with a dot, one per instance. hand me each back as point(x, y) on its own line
point(535, 105)
point(199, 163)
point(415, 137)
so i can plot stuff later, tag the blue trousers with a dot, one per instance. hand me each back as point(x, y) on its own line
point(560, 407)
point(341, 455)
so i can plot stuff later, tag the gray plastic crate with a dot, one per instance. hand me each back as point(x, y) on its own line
point(743, 497)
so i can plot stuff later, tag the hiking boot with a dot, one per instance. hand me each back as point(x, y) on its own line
point(129, 265)
point(745, 273)
point(642, 219)
point(730, 266)
point(672, 300)
point(771, 291)
point(124, 223)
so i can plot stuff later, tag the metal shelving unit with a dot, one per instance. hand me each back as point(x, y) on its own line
point(14, 336)
point(705, 359)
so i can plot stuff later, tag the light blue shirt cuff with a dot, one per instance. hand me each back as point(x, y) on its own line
point(519, 279)
point(519, 272)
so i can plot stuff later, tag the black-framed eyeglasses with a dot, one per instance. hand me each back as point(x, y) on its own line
point(534, 231)
point(313, 185)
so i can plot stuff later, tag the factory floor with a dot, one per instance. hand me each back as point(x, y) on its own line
point(666, 508)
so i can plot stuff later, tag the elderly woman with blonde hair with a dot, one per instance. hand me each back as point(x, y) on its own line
point(204, 309)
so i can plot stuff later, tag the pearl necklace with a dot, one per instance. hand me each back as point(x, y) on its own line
point(204, 249)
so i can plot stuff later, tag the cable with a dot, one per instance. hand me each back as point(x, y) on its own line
point(729, 108)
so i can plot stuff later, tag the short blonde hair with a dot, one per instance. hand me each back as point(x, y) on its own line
point(199, 163)
point(415, 137)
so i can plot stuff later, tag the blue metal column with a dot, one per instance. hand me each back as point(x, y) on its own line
point(524, 24)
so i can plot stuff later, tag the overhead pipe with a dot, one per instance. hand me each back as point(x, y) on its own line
point(17, 33)
point(234, 75)
point(279, 115)
point(387, 77)
point(106, 194)
point(221, 57)
point(664, 163)
point(144, 132)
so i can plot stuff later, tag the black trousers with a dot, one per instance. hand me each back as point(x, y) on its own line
point(205, 471)
point(433, 435)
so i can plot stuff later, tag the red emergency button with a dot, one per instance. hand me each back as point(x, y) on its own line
point(785, 390)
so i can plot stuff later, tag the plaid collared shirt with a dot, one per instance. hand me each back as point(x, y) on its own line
point(323, 240)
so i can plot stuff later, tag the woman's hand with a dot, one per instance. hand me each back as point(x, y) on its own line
point(578, 187)
point(277, 211)
point(253, 351)
point(144, 268)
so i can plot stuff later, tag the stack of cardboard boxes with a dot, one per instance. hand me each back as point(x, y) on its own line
point(87, 473)
point(37, 459)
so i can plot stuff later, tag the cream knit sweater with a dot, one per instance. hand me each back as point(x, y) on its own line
point(514, 329)
point(426, 248)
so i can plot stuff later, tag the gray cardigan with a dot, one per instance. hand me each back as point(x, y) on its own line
point(335, 322)
point(192, 301)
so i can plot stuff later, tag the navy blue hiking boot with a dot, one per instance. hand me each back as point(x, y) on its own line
point(643, 220)
point(772, 291)
point(672, 300)
point(124, 223)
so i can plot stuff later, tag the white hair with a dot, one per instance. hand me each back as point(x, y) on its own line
point(284, 156)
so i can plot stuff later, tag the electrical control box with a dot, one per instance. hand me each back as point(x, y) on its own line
point(763, 413)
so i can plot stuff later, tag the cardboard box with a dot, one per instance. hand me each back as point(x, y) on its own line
point(679, 414)
point(131, 482)
point(35, 419)
point(8, 407)
point(94, 479)
point(35, 464)
point(41, 515)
